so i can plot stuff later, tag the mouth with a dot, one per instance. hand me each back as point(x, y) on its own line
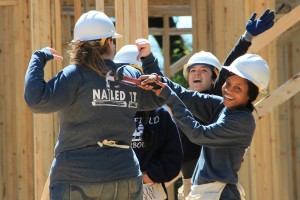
point(227, 97)
point(196, 80)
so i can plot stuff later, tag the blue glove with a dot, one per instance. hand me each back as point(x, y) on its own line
point(265, 22)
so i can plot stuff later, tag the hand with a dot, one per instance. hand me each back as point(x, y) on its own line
point(147, 79)
point(146, 179)
point(265, 22)
point(53, 51)
point(162, 86)
point(143, 46)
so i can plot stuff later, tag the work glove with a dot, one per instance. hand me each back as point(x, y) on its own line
point(265, 22)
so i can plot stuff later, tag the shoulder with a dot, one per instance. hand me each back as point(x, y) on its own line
point(243, 117)
point(131, 71)
point(72, 70)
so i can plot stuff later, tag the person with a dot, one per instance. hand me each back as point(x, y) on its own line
point(230, 126)
point(203, 74)
point(156, 139)
point(93, 158)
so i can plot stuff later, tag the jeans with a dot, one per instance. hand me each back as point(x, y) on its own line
point(131, 189)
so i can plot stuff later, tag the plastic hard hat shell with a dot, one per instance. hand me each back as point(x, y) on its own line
point(94, 25)
point(128, 54)
point(253, 68)
point(201, 57)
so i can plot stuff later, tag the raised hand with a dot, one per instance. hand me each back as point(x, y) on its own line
point(53, 51)
point(143, 47)
point(263, 23)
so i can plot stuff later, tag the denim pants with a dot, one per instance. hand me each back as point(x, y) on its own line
point(130, 189)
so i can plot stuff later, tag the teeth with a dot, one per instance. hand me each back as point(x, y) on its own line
point(228, 97)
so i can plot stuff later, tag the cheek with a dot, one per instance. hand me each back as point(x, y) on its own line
point(243, 98)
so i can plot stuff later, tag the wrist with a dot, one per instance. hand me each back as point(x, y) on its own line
point(157, 77)
point(247, 36)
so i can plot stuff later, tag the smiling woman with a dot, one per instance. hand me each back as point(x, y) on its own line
point(230, 126)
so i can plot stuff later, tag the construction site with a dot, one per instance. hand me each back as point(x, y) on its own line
point(271, 168)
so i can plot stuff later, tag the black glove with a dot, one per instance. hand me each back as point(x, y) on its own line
point(265, 22)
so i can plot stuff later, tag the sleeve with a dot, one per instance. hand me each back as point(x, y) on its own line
point(51, 96)
point(148, 100)
point(196, 102)
point(235, 130)
point(168, 166)
point(240, 48)
point(150, 65)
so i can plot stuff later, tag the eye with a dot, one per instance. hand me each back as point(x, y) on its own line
point(227, 83)
point(236, 88)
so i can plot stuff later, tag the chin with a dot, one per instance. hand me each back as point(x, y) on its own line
point(226, 104)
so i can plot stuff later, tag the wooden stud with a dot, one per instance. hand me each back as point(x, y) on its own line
point(77, 9)
point(279, 27)
point(8, 3)
point(278, 96)
point(100, 5)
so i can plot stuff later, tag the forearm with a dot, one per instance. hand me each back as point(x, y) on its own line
point(150, 65)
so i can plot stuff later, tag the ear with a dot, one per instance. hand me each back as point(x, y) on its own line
point(213, 81)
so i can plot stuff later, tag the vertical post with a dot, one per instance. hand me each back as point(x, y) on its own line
point(131, 20)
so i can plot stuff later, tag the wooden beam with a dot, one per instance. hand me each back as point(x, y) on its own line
point(100, 5)
point(166, 47)
point(278, 96)
point(177, 66)
point(131, 20)
point(46, 192)
point(199, 10)
point(8, 3)
point(279, 27)
point(172, 31)
point(77, 9)
point(172, 10)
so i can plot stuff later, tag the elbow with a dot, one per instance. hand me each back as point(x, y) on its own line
point(33, 105)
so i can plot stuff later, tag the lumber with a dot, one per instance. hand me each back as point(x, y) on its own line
point(279, 27)
point(77, 9)
point(176, 67)
point(46, 192)
point(278, 96)
point(100, 5)
point(8, 3)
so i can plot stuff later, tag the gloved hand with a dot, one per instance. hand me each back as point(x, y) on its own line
point(265, 22)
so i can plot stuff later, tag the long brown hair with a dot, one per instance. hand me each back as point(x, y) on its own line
point(89, 55)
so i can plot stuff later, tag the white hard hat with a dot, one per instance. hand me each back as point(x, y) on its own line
point(202, 58)
point(94, 25)
point(253, 68)
point(128, 54)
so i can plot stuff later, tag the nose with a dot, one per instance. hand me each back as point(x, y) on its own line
point(228, 90)
point(197, 73)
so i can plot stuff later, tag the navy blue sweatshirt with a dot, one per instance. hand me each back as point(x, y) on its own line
point(90, 110)
point(191, 151)
point(157, 145)
point(224, 141)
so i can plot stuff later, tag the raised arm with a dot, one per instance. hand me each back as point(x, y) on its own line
point(254, 27)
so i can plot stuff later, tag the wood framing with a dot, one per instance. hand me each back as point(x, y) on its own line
point(278, 96)
point(271, 167)
point(280, 27)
